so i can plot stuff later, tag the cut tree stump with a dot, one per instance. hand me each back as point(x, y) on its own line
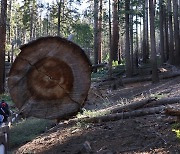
point(50, 78)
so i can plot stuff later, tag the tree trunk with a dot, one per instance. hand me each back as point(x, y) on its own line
point(96, 32)
point(131, 41)
point(166, 35)
point(128, 61)
point(115, 36)
point(2, 44)
point(50, 78)
point(100, 33)
point(110, 42)
point(155, 77)
point(161, 28)
point(171, 37)
point(137, 42)
point(9, 28)
point(145, 34)
point(59, 16)
point(176, 32)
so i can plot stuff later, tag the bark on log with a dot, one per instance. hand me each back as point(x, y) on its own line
point(173, 111)
point(148, 102)
point(149, 78)
point(121, 116)
point(163, 101)
point(130, 107)
point(50, 78)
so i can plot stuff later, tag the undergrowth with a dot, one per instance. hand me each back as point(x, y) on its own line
point(27, 130)
point(176, 129)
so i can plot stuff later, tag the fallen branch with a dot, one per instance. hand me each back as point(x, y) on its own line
point(131, 106)
point(173, 111)
point(148, 102)
point(119, 116)
point(149, 78)
point(163, 101)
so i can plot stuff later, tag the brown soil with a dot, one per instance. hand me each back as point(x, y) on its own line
point(147, 134)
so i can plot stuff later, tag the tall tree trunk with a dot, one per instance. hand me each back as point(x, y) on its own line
point(131, 40)
point(155, 77)
point(95, 32)
point(110, 42)
point(166, 35)
point(115, 36)
point(59, 16)
point(176, 32)
point(171, 35)
point(137, 42)
point(127, 45)
point(161, 28)
point(9, 28)
point(145, 34)
point(2, 44)
point(100, 33)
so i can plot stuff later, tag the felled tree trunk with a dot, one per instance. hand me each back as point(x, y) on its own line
point(50, 78)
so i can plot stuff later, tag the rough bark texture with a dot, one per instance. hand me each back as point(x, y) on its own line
point(127, 46)
point(155, 77)
point(96, 32)
point(50, 78)
point(2, 44)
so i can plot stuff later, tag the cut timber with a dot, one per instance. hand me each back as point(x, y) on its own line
point(50, 78)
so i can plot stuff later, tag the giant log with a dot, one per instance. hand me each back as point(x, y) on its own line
point(50, 78)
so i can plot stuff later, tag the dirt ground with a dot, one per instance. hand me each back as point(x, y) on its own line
point(147, 134)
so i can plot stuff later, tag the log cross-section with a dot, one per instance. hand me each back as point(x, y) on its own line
point(50, 78)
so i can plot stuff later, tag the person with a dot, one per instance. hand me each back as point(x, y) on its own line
point(4, 110)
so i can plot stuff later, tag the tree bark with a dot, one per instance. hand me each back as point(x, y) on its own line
point(176, 32)
point(161, 28)
point(2, 44)
point(155, 77)
point(120, 116)
point(59, 16)
point(100, 33)
point(115, 36)
point(128, 61)
point(95, 33)
point(145, 33)
point(110, 42)
point(171, 35)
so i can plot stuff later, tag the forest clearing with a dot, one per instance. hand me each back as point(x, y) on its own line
point(92, 76)
point(151, 133)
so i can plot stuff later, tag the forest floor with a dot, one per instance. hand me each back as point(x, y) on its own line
point(145, 134)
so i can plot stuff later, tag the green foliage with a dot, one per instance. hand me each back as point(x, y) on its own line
point(7, 98)
point(158, 95)
point(27, 130)
point(101, 73)
point(176, 129)
point(83, 34)
point(91, 113)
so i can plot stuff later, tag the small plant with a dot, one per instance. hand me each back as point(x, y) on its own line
point(91, 113)
point(176, 129)
point(158, 96)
